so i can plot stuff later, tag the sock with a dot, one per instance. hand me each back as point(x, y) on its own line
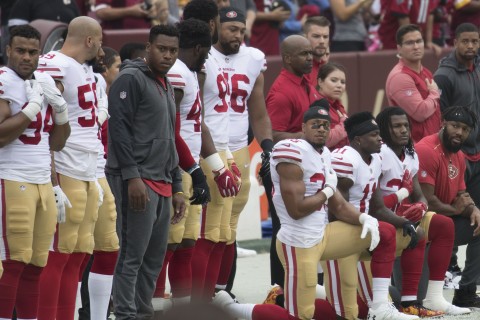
point(384, 254)
point(226, 266)
point(441, 235)
point(50, 285)
point(104, 262)
point(213, 270)
point(434, 297)
point(12, 271)
point(68, 286)
point(380, 291)
point(180, 273)
point(28, 292)
point(320, 292)
point(412, 272)
point(162, 277)
point(99, 288)
point(201, 255)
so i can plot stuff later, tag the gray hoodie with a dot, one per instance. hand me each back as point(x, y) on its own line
point(141, 128)
point(460, 87)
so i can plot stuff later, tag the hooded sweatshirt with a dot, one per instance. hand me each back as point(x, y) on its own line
point(460, 86)
point(141, 128)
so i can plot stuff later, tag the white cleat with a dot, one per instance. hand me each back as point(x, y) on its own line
point(388, 312)
point(448, 308)
point(243, 253)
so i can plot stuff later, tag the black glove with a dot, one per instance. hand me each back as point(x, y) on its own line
point(201, 192)
point(409, 229)
point(267, 146)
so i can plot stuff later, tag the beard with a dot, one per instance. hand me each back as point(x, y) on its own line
point(448, 145)
point(228, 49)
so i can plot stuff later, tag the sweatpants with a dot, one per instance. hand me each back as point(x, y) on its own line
point(143, 239)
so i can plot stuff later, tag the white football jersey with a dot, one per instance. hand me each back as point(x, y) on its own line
point(184, 79)
point(101, 161)
point(348, 163)
point(27, 158)
point(308, 231)
point(241, 70)
point(78, 158)
point(393, 169)
point(216, 101)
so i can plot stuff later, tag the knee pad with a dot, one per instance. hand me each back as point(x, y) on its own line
point(19, 233)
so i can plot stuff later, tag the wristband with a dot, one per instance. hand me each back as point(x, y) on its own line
point(178, 192)
point(215, 162)
point(401, 194)
point(193, 168)
point(31, 110)
point(61, 117)
point(362, 218)
point(328, 192)
point(267, 145)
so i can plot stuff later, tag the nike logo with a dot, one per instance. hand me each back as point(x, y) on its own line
point(58, 95)
point(42, 64)
point(226, 179)
point(339, 158)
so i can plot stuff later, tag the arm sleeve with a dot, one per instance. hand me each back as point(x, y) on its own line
point(279, 111)
point(185, 159)
point(403, 91)
point(122, 112)
point(176, 180)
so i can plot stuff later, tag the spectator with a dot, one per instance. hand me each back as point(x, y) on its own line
point(317, 31)
point(458, 78)
point(465, 11)
point(163, 15)
point(350, 31)
point(5, 8)
point(25, 11)
point(411, 86)
point(400, 13)
point(265, 30)
point(129, 14)
point(292, 25)
point(442, 172)
point(133, 50)
point(332, 85)
point(289, 97)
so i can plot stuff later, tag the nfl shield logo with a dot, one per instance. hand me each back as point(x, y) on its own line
point(123, 95)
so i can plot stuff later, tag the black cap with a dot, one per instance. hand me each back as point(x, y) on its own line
point(231, 14)
point(319, 109)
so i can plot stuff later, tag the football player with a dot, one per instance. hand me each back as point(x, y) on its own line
point(75, 166)
point(33, 121)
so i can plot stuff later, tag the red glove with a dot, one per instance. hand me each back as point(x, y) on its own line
point(236, 173)
point(407, 182)
point(413, 212)
point(226, 183)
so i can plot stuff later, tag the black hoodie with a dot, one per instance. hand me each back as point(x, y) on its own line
point(460, 87)
point(141, 128)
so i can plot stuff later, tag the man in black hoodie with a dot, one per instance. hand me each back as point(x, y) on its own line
point(142, 170)
point(458, 78)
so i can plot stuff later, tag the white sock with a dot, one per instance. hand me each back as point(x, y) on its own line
point(434, 297)
point(99, 288)
point(78, 299)
point(380, 291)
point(320, 292)
point(241, 311)
point(408, 298)
point(221, 286)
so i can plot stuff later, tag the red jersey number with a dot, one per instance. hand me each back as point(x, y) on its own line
point(222, 85)
point(87, 105)
point(366, 195)
point(239, 93)
point(37, 125)
point(194, 114)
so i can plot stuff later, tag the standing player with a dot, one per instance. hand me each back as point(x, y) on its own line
point(195, 43)
point(406, 199)
point(213, 235)
point(29, 129)
point(243, 68)
point(75, 166)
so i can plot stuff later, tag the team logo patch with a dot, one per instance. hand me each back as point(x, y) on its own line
point(408, 93)
point(22, 188)
point(123, 95)
point(231, 14)
point(423, 174)
point(323, 112)
point(452, 171)
point(67, 2)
